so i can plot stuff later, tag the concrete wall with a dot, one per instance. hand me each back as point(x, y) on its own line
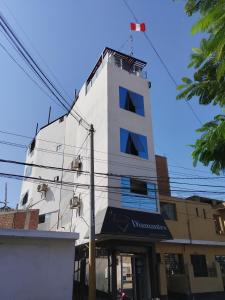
point(36, 268)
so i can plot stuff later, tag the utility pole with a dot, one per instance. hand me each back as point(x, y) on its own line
point(92, 271)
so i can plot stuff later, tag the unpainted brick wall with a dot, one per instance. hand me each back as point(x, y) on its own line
point(19, 219)
point(162, 175)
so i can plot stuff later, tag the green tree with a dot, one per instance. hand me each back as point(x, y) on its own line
point(208, 82)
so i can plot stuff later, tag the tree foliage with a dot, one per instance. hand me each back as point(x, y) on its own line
point(208, 82)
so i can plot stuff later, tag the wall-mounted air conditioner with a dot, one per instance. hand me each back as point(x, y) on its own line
point(76, 164)
point(43, 187)
point(75, 202)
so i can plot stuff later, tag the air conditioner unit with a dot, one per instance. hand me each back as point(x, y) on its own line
point(75, 202)
point(42, 187)
point(76, 164)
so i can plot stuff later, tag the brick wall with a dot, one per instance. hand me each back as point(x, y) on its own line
point(162, 175)
point(19, 219)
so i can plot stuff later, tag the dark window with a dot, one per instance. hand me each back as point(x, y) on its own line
point(174, 264)
point(41, 219)
point(131, 101)
point(146, 202)
point(168, 210)
point(25, 198)
point(138, 187)
point(199, 265)
point(204, 213)
point(197, 214)
point(32, 145)
point(133, 143)
point(221, 260)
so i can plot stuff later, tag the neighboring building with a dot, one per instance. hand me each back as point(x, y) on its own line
point(19, 219)
point(36, 265)
point(115, 99)
point(192, 265)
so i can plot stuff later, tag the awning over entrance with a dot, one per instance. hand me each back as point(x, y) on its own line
point(124, 222)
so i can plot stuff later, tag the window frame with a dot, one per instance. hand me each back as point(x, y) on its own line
point(171, 258)
point(197, 266)
point(135, 186)
point(129, 199)
point(139, 141)
point(41, 219)
point(136, 99)
point(167, 217)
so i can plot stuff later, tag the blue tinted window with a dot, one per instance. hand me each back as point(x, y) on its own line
point(138, 200)
point(131, 101)
point(133, 143)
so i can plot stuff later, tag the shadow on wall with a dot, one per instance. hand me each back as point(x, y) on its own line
point(50, 196)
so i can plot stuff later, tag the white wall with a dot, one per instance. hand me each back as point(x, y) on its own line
point(99, 106)
point(36, 268)
point(46, 153)
point(121, 163)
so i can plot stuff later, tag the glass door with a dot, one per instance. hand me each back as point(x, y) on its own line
point(131, 277)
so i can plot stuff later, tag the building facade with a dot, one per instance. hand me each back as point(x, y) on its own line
point(192, 264)
point(115, 99)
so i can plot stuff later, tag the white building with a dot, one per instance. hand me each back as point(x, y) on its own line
point(115, 99)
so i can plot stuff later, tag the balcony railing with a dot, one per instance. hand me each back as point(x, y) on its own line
point(120, 63)
point(124, 65)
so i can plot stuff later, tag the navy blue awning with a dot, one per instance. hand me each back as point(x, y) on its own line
point(130, 223)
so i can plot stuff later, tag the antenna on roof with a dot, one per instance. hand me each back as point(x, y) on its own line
point(49, 114)
point(131, 45)
point(6, 195)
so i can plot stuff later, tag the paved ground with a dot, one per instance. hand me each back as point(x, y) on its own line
point(211, 296)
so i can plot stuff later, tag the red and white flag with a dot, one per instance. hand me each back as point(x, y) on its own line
point(137, 26)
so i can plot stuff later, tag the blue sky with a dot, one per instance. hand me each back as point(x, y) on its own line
point(70, 35)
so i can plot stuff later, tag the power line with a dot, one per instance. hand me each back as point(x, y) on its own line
point(38, 71)
point(111, 162)
point(119, 187)
point(36, 50)
point(161, 60)
point(97, 151)
point(111, 174)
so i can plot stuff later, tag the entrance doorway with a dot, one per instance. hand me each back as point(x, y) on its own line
point(131, 277)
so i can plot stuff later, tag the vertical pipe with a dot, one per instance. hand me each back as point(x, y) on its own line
point(92, 271)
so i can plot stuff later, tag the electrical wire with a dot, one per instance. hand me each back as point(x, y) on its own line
point(161, 59)
point(38, 71)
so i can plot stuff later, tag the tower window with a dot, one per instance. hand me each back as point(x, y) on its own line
point(131, 101)
point(25, 198)
point(133, 143)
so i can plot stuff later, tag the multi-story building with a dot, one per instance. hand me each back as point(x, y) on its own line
point(192, 264)
point(115, 99)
